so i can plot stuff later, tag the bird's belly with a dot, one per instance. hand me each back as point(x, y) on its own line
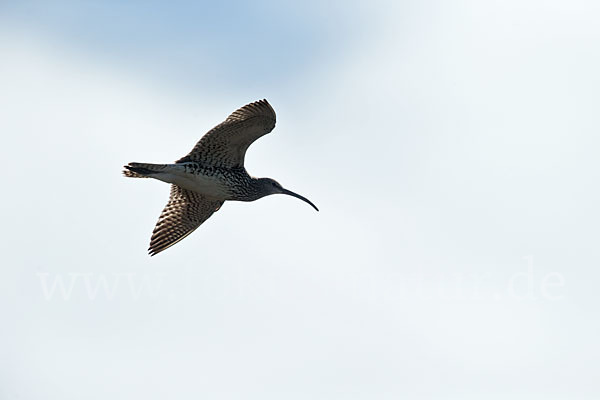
point(207, 185)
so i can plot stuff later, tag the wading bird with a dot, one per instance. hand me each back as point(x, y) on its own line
point(210, 174)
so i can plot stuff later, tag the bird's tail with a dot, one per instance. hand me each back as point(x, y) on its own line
point(142, 170)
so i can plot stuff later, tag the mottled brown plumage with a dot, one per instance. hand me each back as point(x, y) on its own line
point(225, 145)
point(185, 211)
point(210, 174)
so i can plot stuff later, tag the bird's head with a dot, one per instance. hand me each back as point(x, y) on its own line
point(271, 186)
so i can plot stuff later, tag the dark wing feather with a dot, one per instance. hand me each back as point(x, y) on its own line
point(185, 211)
point(225, 145)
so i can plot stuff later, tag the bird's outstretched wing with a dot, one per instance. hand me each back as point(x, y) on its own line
point(225, 145)
point(185, 211)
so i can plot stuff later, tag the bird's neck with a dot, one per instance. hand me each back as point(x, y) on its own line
point(249, 189)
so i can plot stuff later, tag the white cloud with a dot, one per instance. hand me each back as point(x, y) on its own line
point(441, 151)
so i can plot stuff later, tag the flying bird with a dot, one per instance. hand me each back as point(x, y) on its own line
point(210, 174)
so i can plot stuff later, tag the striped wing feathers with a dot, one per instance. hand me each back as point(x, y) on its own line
point(225, 145)
point(185, 211)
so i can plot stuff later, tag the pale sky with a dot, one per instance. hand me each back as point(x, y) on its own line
point(452, 148)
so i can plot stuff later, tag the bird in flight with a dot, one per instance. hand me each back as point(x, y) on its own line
point(210, 174)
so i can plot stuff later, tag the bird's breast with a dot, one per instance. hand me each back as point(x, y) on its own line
point(215, 182)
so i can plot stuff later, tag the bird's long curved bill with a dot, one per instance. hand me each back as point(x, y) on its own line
point(296, 195)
